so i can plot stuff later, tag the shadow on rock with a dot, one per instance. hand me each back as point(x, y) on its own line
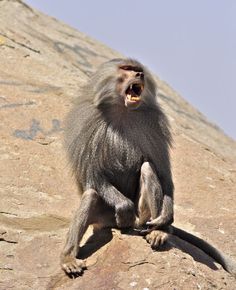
point(197, 254)
point(104, 236)
point(95, 242)
point(185, 246)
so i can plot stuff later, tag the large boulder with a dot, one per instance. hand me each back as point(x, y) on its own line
point(43, 63)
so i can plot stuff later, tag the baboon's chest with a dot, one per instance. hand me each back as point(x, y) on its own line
point(123, 162)
point(124, 156)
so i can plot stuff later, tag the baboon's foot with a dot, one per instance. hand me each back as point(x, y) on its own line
point(156, 238)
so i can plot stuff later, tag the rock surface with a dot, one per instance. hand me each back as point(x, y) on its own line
point(43, 63)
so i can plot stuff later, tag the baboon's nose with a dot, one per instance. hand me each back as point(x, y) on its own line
point(140, 75)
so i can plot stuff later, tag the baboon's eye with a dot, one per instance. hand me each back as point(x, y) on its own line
point(131, 68)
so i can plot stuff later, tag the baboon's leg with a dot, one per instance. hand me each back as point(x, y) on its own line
point(149, 204)
point(150, 195)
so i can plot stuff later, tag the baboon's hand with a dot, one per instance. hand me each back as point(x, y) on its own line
point(160, 222)
point(125, 214)
point(72, 266)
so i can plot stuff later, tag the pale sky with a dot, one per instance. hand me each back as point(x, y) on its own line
point(189, 44)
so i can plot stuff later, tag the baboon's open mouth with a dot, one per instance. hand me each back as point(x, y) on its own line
point(134, 92)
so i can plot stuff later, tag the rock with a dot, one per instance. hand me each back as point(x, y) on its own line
point(43, 64)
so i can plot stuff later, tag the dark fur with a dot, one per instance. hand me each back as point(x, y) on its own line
point(120, 158)
point(118, 152)
point(108, 142)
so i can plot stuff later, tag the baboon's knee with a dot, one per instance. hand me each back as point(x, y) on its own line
point(146, 170)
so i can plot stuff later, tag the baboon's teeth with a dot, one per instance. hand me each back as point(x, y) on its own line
point(135, 98)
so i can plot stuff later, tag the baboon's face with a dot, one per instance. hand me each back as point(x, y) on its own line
point(130, 85)
point(123, 83)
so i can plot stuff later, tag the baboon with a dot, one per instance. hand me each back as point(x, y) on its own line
point(118, 140)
